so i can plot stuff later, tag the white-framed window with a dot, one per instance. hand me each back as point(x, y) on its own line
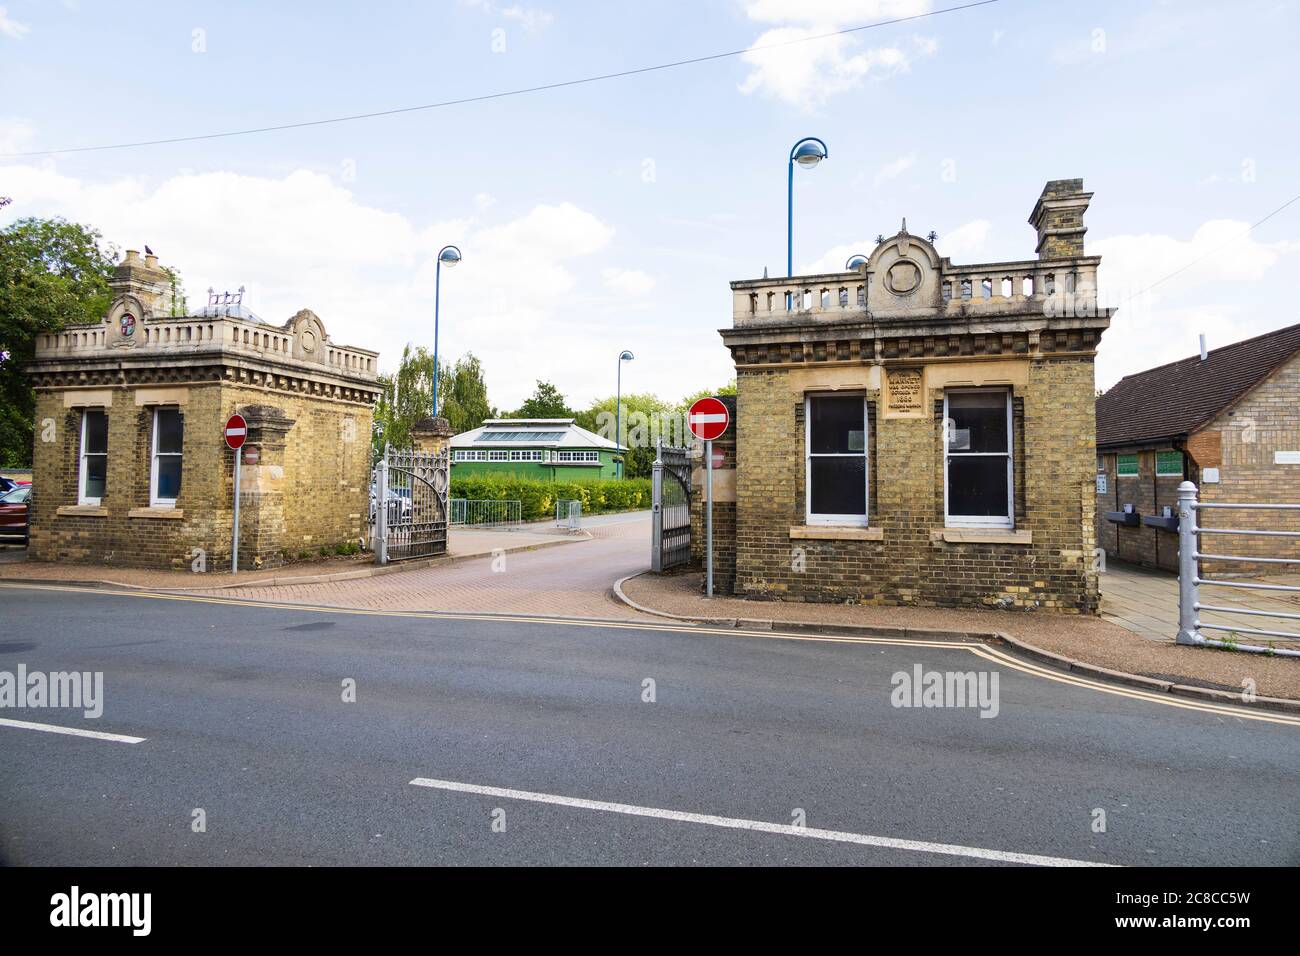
point(94, 456)
point(579, 456)
point(498, 455)
point(978, 462)
point(168, 442)
point(471, 455)
point(835, 439)
point(526, 455)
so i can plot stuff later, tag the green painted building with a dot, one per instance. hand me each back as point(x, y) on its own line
point(551, 448)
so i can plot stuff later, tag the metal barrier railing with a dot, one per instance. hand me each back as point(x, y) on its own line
point(486, 513)
point(568, 514)
point(1190, 624)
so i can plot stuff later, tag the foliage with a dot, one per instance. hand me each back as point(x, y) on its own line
point(52, 273)
point(538, 497)
point(545, 402)
point(462, 394)
point(462, 397)
point(180, 304)
point(646, 418)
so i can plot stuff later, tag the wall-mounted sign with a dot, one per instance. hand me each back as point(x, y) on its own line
point(252, 454)
point(1286, 457)
point(126, 324)
point(903, 391)
point(1101, 483)
point(1209, 476)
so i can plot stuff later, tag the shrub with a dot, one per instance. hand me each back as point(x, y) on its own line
point(537, 497)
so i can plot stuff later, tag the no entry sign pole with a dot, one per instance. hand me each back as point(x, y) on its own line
point(708, 517)
point(236, 433)
point(708, 419)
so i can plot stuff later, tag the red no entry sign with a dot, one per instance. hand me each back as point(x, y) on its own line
point(707, 419)
point(236, 431)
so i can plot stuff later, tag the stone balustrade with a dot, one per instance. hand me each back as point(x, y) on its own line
point(1052, 287)
point(228, 333)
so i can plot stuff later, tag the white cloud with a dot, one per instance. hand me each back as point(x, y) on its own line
point(12, 28)
point(926, 46)
point(833, 13)
point(893, 169)
point(530, 298)
point(628, 282)
point(807, 74)
point(530, 18)
point(963, 243)
point(16, 134)
point(484, 201)
point(1161, 323)
point(835, 257)
point(966, 243)
point(527, 17)
point(1131, 263)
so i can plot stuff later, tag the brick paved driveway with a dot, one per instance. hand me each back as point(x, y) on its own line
point(572, 580)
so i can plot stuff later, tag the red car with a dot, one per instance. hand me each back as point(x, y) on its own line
point(13, 514)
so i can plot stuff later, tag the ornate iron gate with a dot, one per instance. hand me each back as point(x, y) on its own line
point(410, 505)
point(670, 536)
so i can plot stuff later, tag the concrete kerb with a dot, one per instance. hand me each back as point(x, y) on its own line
point(348, 575)
point(1020, 648)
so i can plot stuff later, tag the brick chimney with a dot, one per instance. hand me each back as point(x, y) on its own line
point(1058, 218)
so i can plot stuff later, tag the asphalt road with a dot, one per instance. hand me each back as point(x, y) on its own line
point(242, 713)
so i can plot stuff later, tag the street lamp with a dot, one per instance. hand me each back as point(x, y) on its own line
point(623, 356)
point(450, 257)
point(808, 152)
point(855, 262)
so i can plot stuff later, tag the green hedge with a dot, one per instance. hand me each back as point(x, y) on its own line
point(538, 497)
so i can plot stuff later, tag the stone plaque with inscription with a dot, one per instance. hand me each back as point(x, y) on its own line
point(904, 391)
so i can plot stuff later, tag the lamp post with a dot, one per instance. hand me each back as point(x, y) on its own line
point(808, 152)
point(623, 356)
point(450, 256)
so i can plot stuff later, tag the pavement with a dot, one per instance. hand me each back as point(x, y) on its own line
point(461, 543)
point(535, 741)
point(1146, 603)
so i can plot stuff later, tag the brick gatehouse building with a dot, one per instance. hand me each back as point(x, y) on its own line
point(916, 432)
point(130, 466)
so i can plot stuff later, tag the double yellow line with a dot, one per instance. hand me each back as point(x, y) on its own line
point(985, 651)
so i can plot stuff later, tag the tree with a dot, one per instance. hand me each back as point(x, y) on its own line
point(462, 394)
point(462, 397)
point(52, 273)
point(545, 402)
point(689, 400)
point(646, 417)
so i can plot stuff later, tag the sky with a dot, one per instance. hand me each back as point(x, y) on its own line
point(612, 215)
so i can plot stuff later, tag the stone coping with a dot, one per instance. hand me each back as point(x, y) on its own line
point(829, 532)
point(167, 514)
point(983, 536)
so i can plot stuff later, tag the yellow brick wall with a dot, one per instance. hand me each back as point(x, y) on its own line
point(910, 565)
point(1266, 421)
point(323, 490)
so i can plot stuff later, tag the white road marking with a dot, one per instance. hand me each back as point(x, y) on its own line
point(71, 731)
point(761, 826)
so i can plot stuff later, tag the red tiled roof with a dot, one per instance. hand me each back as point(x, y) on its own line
point(1178, 398)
